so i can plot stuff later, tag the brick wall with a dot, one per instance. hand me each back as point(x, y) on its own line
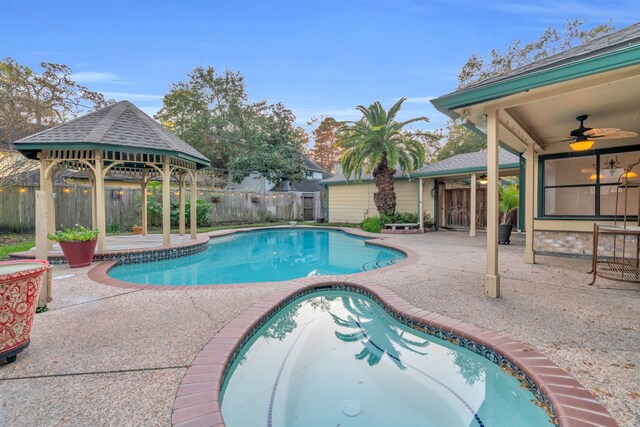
point(579, 244)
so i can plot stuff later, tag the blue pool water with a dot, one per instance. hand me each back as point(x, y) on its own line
point(335, 358)
point(264, 256)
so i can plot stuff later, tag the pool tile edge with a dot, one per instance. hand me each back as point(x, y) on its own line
point(569, 403)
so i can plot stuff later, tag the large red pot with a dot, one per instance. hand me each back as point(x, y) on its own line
point(20, 283)
point(79, 254)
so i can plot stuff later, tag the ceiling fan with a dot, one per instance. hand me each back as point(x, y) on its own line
point(583, 137)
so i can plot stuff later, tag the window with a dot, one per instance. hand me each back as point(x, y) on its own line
point(586, 186)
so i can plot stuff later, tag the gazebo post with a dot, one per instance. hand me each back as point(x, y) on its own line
point(472, 213)
point(166, 202)
point(143, 188)
point(94, 219)
point(101, 210)
point(47, 188)
point(492, 278)
point(194, 205)
point(182, 214)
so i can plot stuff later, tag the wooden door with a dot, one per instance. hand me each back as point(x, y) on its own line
point(308, 208)
point(458, 208)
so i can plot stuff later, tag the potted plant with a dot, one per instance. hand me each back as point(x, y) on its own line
point(136, 229)
point(215, 197)
point(509, 201)
point(78, 244)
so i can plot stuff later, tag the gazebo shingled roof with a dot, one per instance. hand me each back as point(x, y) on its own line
point(121, 126)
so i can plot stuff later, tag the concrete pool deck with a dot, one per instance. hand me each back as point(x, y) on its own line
point(104, 355)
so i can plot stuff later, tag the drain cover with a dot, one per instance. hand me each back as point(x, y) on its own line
point(351, 408)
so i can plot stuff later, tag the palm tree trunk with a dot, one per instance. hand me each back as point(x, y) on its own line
point(385, 198)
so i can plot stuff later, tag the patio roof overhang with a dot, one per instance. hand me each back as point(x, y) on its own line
point(532, 109)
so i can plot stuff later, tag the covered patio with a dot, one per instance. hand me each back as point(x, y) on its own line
point(532, 111)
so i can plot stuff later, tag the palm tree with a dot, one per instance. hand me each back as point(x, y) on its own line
point(376, 143)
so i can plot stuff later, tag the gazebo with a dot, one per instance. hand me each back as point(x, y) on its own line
point(118, 138)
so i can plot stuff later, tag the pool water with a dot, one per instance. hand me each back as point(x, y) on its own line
point(336, 358)
point(264, 256)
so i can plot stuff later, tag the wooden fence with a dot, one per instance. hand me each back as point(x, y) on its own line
point(73, 206)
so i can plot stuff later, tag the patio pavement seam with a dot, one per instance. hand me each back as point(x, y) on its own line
point(77, 374)
point(91, 301)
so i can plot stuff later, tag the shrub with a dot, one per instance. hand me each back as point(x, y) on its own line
point(399, 218)
point(372, 224)
point(203, 212)
point(75, 234)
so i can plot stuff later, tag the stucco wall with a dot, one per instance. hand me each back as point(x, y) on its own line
point(353, 202)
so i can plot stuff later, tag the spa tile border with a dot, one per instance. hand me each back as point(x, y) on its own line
point(197, 401)
point(100, 273)
point(134, 256)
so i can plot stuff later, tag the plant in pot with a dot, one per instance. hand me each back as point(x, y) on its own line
point(136, 229)
point(509, 201)
point(78, 244)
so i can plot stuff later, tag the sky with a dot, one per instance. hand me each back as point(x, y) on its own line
point(318, 57)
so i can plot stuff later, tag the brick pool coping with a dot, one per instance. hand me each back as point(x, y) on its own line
point(197, 401)
point(100, 273)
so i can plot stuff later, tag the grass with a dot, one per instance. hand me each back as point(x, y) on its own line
point(15, 243)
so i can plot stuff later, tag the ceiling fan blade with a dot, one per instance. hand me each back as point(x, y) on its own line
point(600, 131)
point(618, 134)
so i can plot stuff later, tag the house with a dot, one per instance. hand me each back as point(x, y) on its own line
point(258, 184)
point(575, 118)
point(446, 191)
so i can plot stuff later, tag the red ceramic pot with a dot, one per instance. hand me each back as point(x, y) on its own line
point(20, 283)
point(79, 254)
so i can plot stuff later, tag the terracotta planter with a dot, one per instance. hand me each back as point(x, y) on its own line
point(79, 254)
point(20, 283)
point(137, 229)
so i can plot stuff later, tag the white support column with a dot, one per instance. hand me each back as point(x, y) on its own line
point(166, 202)
point(41, 240)
point(194, 205)
point(47, 222)
point(529, 204)
point(94, 219)
point(492, 278)
point(420, 204)
point(101, 210)
point(472, 213)
point(143, 188)
point(181, 216)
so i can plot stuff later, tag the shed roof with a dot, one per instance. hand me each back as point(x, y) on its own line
point(458, 164)
point(121, 125)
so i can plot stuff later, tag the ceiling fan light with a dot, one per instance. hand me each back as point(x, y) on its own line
point(582, 145)
point(595, 176)
point(483, 180)
point(630, 174)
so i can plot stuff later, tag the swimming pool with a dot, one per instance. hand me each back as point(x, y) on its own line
point(337, 358)
point(264, 256)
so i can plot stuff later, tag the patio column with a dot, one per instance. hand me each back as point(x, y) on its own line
point(420, 205)
point(41, 240)
point(49, 216)
point(472, 214)
point(194, 205)
point(181, 218)
point(94, 219)
point(529, 254)
point(166, 202)
point(101, 210)
point(492, 278)
point(143, 188)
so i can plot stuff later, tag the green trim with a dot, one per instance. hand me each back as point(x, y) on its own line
point(464, 170)
point(624, 57)
point(540, 186)
point(30, 147)
point(521, 184)
point(436, 208)
point(363, 181)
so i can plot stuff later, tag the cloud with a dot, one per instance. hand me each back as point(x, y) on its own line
point(98, 77)
point(132, 96)
point(417, 99)
point(151, 110)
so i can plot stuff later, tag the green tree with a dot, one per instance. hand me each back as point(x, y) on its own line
point(477, 68)
point(31, 101)
point(324, 151)
point(377, 144)
point(212, 113)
